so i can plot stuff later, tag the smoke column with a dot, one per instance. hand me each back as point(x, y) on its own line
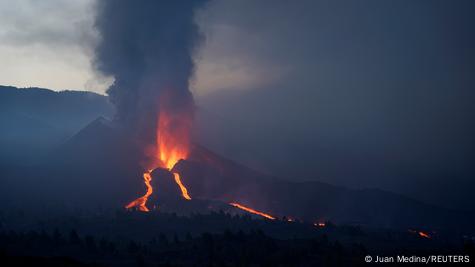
point(147, 47)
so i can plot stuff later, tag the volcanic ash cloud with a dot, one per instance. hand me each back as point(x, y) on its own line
point(147, 46)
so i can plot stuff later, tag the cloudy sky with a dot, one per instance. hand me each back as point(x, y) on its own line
point(250, 44)
point(50, 44)
point(47, 44)
point(360, 93)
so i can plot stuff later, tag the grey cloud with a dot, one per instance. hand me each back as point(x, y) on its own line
point(148, 49)
point(61, 24)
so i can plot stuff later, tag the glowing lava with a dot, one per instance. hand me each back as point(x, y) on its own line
point(172, 145)
point(423, 234)
point(184, 191)
point(173, 138)
point(239, 206)
point(173, 142)
point(141, 202)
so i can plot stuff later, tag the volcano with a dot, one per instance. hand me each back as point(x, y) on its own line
point(215, 183)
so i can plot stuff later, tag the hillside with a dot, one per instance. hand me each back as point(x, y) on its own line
point(34, 120)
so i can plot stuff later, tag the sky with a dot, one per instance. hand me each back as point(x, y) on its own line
point(47, 44)
point(369, 93)
point(248, 44)
point(51, 44)
point(355, 93)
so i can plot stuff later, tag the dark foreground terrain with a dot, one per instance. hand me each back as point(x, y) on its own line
point(215, 239)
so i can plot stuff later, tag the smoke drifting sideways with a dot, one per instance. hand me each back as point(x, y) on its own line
point(147, 47)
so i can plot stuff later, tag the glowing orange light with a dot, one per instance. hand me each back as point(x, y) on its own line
point(141, 202)
point(172, 144)
point(173, 132)
point(184, 191)
point(319, 224)
point(239, 206)
point(424, 234)
point(421, 233)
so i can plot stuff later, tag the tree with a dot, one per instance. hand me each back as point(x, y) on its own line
point(163, 240)
point(132, 247)
point(188, 236)
point(91, 243)
point(57, 238)
point(74, 237)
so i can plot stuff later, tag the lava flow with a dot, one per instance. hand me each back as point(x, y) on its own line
point(141, 201)
point(239, 206)
point(421, 233)
point(184, 191)
point(172, 145)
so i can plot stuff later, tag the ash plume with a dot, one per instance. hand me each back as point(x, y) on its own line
point(147, 46)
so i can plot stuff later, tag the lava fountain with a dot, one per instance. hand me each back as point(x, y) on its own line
point(172, 145)
point(152, 73)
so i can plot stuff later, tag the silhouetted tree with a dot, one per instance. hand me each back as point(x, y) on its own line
point(176, 240)
point(57, 238)
point(74, 237)
point(140, 261)
point(188, 236)
point(163, 240)
point(90, 243)
point(132, 247)
point(104, 245)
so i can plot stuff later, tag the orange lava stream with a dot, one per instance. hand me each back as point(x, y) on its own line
point(172, 145)
point(184, 191)
point(239, 206)
point(422, 234)
point(141, 202)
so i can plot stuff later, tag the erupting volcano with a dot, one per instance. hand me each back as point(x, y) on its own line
point(151, 61)
point(172, 145)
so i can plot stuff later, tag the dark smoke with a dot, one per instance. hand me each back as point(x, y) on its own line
point(147, 47)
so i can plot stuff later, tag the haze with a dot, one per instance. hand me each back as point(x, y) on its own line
point(361, 94)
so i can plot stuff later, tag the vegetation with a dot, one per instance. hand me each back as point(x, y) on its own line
point(247, 242)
